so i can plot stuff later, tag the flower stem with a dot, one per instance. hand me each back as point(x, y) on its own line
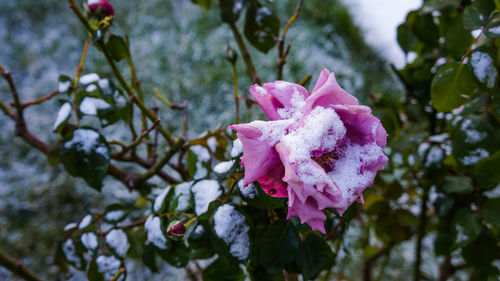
point(236, 97)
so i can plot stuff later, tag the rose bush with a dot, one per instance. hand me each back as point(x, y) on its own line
point(320, 149)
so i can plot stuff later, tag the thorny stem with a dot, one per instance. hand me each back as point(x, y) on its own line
point(236, 98)
point(282, 54)
point(17, 267)
point(254, 77)
point(151, 116)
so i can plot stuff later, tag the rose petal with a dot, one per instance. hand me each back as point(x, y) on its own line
point(277, 95)
point(327, 92)
point(258, 157)
point(361, 126)
point(272, 182)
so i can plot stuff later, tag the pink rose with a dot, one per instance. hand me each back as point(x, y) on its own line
point(320, 149)
point(100, 7)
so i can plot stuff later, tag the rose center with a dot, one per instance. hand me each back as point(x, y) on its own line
point(326, 160)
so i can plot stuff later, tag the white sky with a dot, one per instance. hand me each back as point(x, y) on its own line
point(379, 20)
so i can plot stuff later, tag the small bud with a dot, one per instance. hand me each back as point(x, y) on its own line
point(232, 56)
point(176, 229)
point(100, 8)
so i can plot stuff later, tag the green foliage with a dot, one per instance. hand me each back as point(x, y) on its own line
point(452, 85)
point(85, 154)
point(261, 27)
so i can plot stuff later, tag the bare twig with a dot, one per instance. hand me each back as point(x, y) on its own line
point(41, 99)
point(369, 262)
point(17, 268)
point(161, 162)
point(252, 73)
point(139, 139)
point(280, 42)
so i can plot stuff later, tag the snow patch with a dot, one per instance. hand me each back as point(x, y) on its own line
point(85, 222)
point(237, 149)
point(89, 240)
point(108, 266)
point(183, 195)
point(249, 191)
point(70, 226)
point(88, 141)
point(117, 240)
point(223, 167)
point(205, 191)
point(69, 251)
point(89, 78)
point(90, 105)
point(159, 200)
point(62, 115)
point(63, 86)
point(201, 152)
point(230, 226)
point(155, 233)
point(474, 156)
point(114, 215)
point(483, 67)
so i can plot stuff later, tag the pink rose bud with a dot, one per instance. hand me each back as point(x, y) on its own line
point(100, 8)
point(176, 228)
point(320, 149)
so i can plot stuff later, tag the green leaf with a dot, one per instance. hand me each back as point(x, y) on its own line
point(176, 255)
point(230, 10)
point(191, 160)
point(482, 252)
point(457, 38)
point(314, 256)
point(261, 27)
point(149, 257)
point(491, 210)
point(426, 30)
point(279, 245)
point(473, 139)
point(431, 5)
point(118, 48)
point(467, 227)
point(220, 270)
point(452, 86)
point(472, 18)
point(203, 3)
point(406, 38)
point(488, 169)
point(85, 154)
point(457, 184)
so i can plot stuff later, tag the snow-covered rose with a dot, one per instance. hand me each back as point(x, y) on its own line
point(320, 149)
